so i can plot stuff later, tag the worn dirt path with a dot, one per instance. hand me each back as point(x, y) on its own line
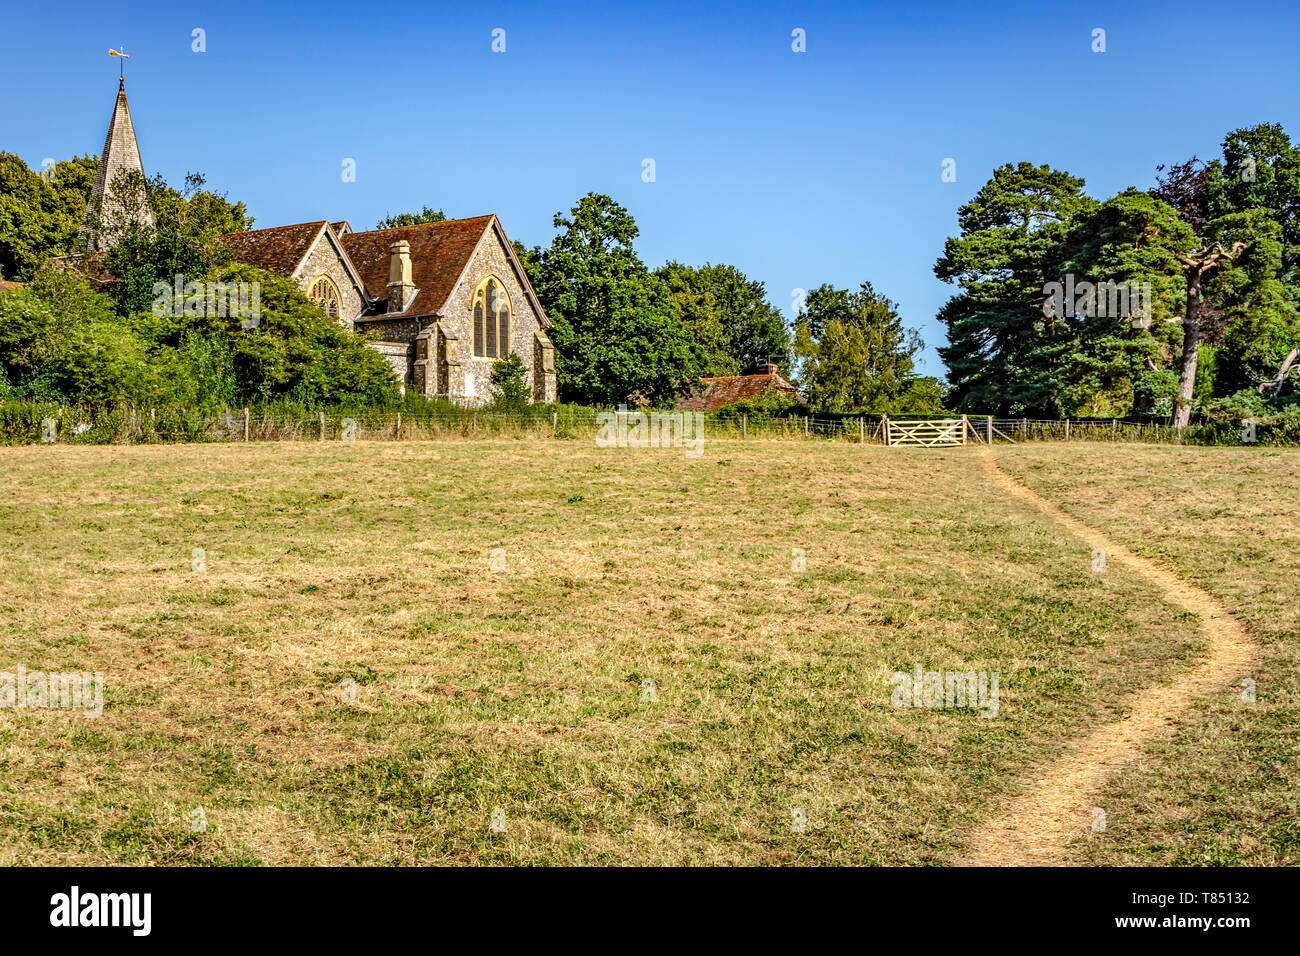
point(1034, 828)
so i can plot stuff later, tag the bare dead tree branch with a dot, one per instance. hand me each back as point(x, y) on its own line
point(1274, 384)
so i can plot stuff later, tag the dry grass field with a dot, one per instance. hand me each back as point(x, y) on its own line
point(1225, 789)
point(358, 675)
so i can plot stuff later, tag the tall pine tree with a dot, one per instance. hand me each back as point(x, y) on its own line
point(1004, 355)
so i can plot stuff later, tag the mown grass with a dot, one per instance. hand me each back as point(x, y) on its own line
point(1225, 789)
point(366, 567)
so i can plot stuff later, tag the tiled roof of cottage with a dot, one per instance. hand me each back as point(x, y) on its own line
point(439, 253)
point(724, 390)
point(280, 249)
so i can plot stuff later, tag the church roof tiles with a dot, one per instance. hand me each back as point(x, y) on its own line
point(279, 249)
point(440, 252)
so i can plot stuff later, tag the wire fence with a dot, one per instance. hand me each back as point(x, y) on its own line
point(33, 424)
point(1085, 429)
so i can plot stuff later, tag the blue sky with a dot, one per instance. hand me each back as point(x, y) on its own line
point(798, 168)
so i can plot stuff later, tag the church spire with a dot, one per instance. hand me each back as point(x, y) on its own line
point(121, 155)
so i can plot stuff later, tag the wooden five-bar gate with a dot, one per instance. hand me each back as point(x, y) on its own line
point(927, 432)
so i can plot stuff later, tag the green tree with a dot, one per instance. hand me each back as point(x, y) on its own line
point(856, 355)
point(62, 341)
point(729, 316)
point(411, 218)
point(40, 215)
point(510, 391)
point(1119, 363)
point(1003, 354)
point(1260, 170)
point(181, 242)
point(528, 258)
point(617, 332)
point(925, 395)
point(1257, 303)
point(193, 210)
point(1253, 198)
point(1243, 277)
point(294, 351)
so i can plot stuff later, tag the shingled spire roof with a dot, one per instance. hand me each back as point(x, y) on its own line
point(121, 154)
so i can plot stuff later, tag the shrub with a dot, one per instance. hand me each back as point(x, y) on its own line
point(295, 351)
point(509, 388)
point(61, 341)
point(769, 405)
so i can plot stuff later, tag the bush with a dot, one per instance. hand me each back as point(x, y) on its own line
point(509, 389)
point(294, 351)
point(1277, 422)
point(924, 395)
point(770, 405)
point(60, 341)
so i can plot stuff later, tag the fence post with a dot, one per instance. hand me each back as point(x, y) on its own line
point(1067, 429)
point(555, 424)
point(805, 426)
point(245, 424)
point(399, 426)
point(1114, 424)
point(988, 430)
point(322, 426)
point(744, 425)
point(884, 428)
point(862, 430)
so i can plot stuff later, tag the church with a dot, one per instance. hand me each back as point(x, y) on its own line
point(442, 302)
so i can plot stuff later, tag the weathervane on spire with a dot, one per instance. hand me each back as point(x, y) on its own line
point(121, 72)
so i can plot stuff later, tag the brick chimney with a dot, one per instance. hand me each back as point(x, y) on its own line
point(771, 368)
point(401, 290)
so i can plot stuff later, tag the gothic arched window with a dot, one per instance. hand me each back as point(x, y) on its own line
point(325, 294)
point(491, 319)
